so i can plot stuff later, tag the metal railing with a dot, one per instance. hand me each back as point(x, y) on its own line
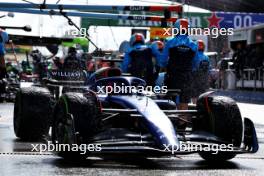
point(252, 78)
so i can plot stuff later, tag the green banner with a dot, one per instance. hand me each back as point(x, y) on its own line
point(201, 20)
point(196, 20)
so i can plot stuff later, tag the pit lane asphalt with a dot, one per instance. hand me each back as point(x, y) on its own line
point(16, 157)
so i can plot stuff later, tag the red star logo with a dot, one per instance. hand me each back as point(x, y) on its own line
point(214, 20)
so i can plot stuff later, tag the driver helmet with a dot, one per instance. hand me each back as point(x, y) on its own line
point(72, 50)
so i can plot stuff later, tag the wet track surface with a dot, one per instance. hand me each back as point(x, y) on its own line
point(16, 157)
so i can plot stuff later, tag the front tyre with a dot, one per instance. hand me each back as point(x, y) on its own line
point(220, 116)
point(76, 121)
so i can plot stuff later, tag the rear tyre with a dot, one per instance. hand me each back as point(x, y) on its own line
point(76, 120)
point(32, 113)
point(220, 116)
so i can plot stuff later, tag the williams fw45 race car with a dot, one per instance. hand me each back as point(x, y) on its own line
point(133, 123)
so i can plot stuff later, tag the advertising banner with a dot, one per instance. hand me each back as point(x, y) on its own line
point(203, 20)
point(158, 32)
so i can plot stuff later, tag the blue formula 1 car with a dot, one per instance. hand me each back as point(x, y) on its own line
point(82, 114)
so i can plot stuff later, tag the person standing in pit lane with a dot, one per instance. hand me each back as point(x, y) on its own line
point(200, 74)
point(72, 61)
point(3, 39)
point(178, 55)
point(158, 46)
point(138, 60)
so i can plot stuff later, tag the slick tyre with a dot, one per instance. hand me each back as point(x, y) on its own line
point(220, 116)
point(76, 120)
point(32, 113)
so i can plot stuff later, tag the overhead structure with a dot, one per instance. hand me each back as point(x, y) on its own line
point(26, 28)
point(37, 41)
point(175, 8)
point(254, 6)
point(91, 15)
point(95, 12)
